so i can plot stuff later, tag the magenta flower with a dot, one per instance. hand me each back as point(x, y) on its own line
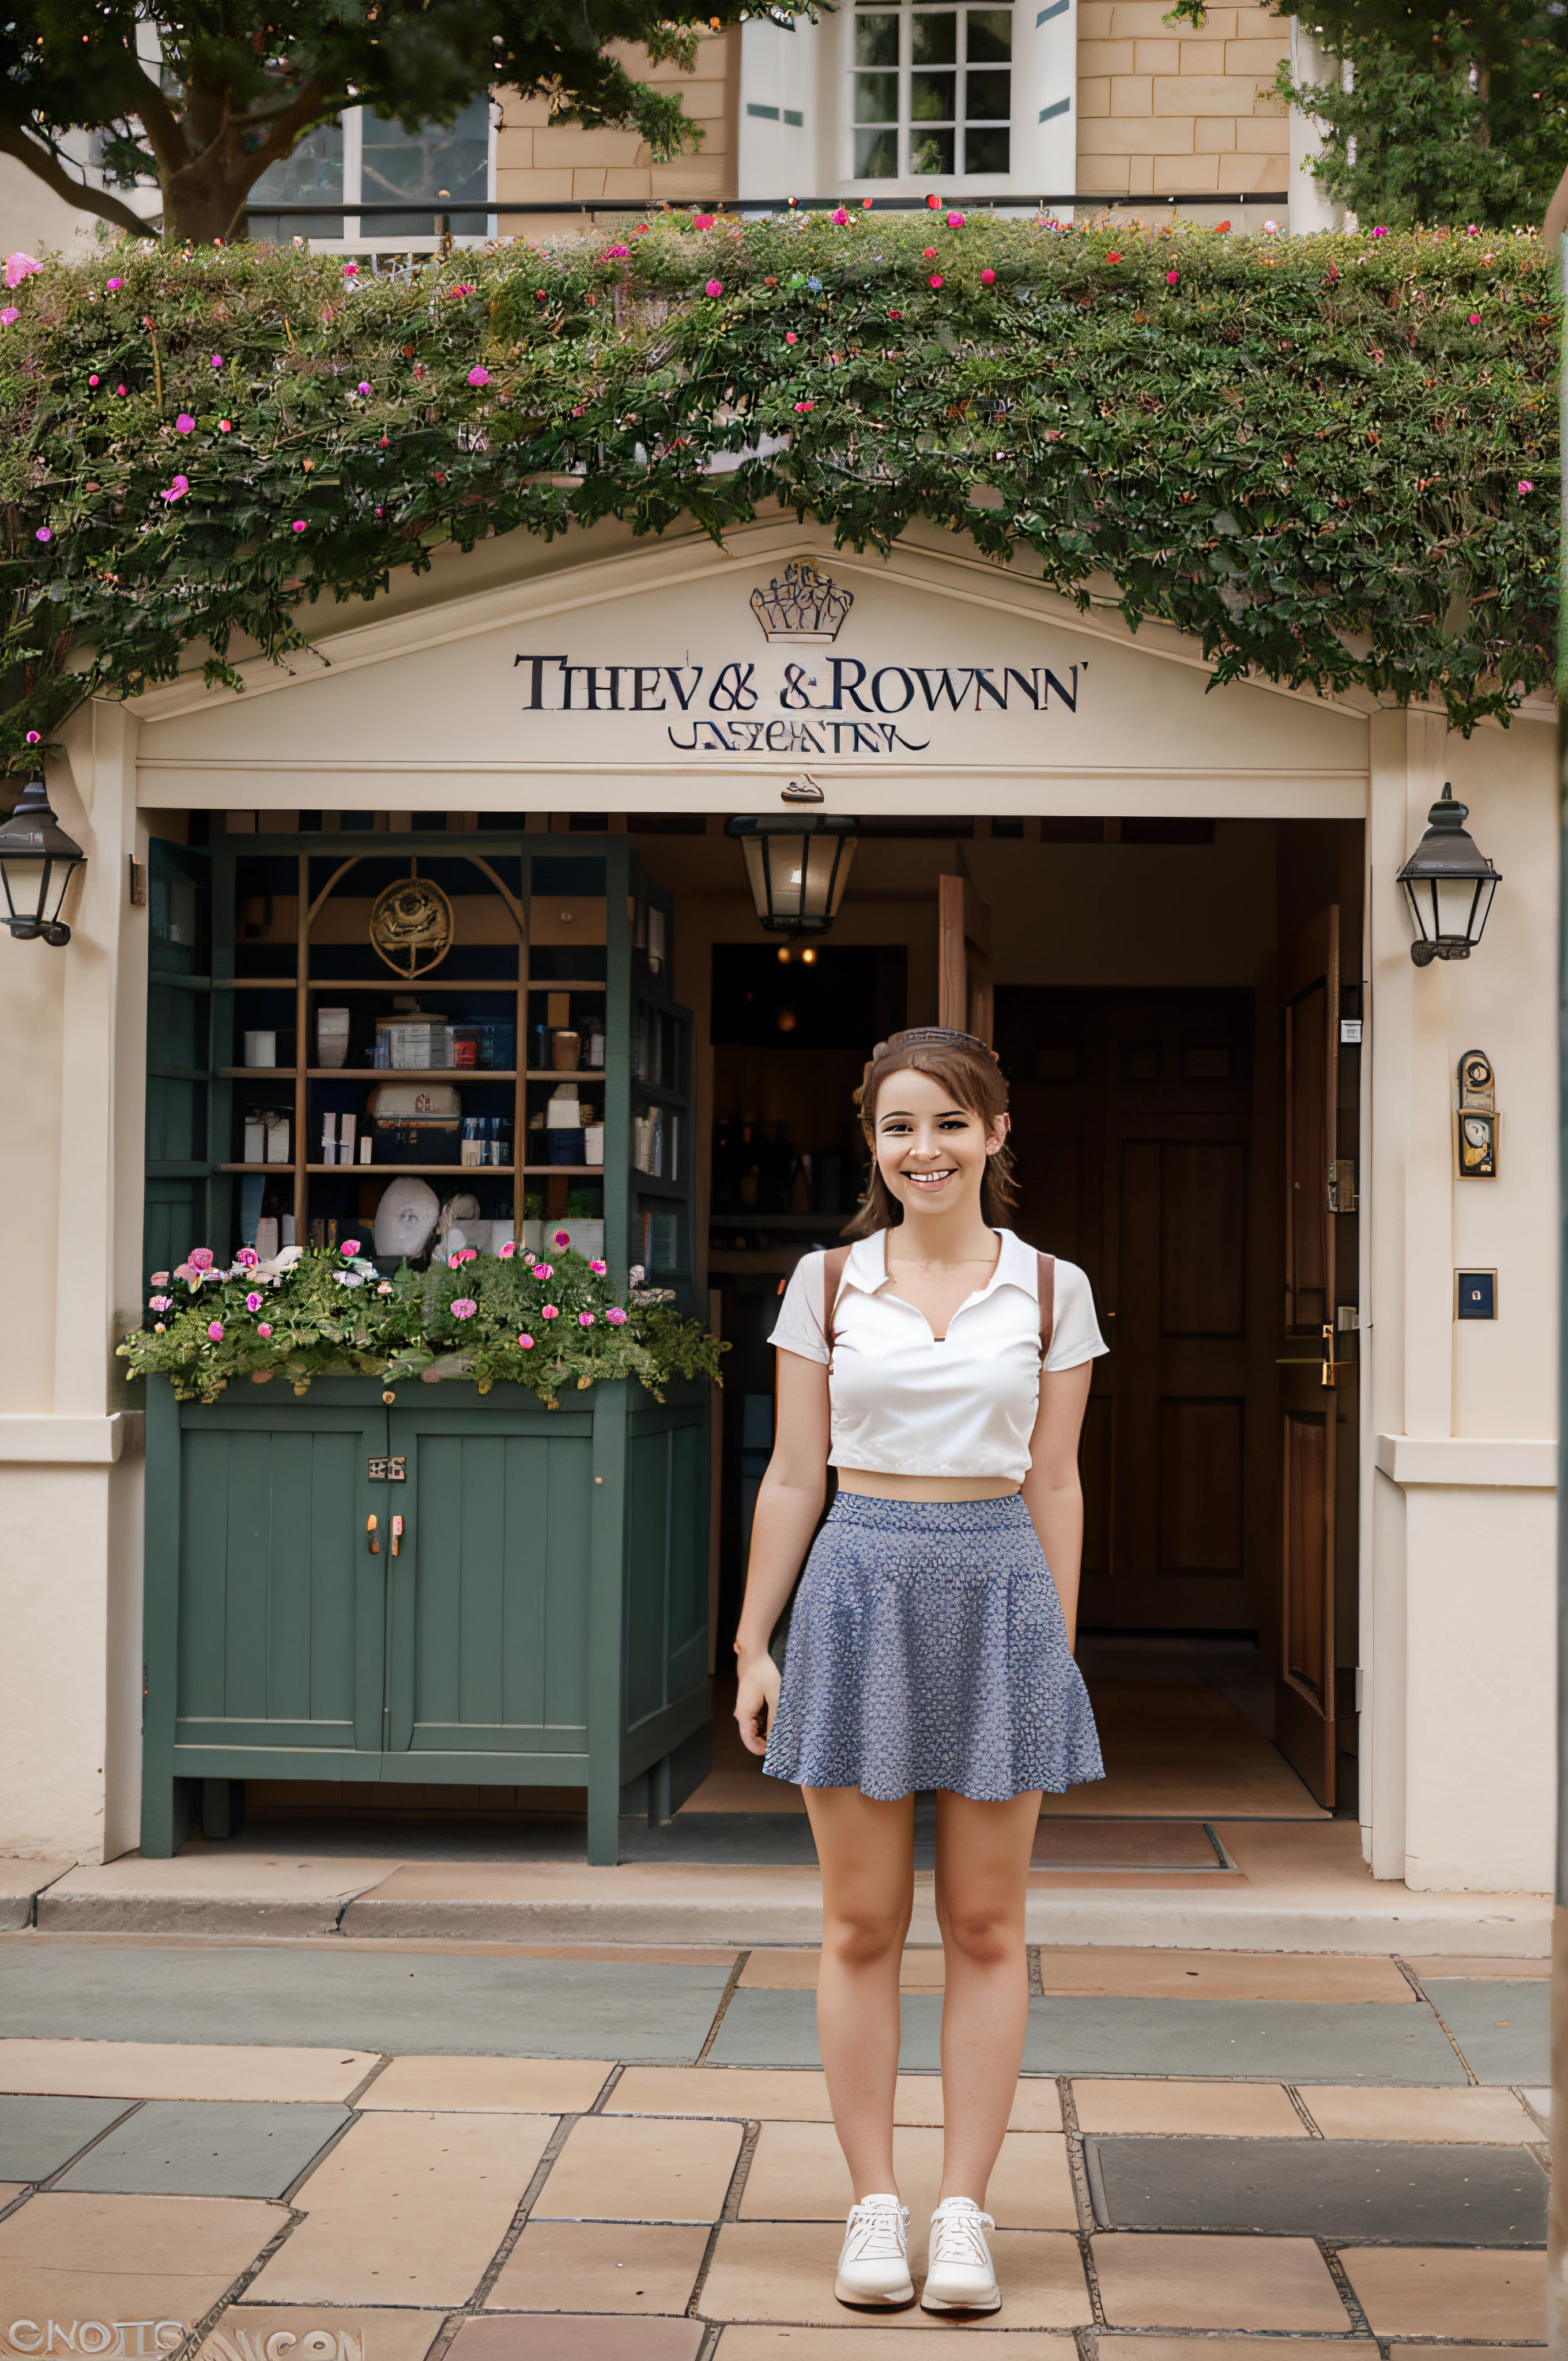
point(247, 1258)
point(161, 1302)
point(177, 490)
point(454, 292)
point(839, 216)
point(92, 381)
point(616, 1316)
point(584, 1318)
point(184, 423)
point(35, 736)
point(349, 1248)
point(1379, 232)
point(801, 406)
point(508, 1248)
point(200, 1258)
point(955, 221)
point(714, 287)
point(1525, 485)
point(544, 1270)
point(1172, 278)
point(253, 1302)
point(160, 1278)
point(217, 360)
point(216, 1330)
point(937, 279)
point(614, 253)
point(464, 1308)
point(114, 286)
point(10, 313)
point(1474, 319)
point(790, 337)
point(351, 270)
point(599, 1268)
point(264, 1328)
point(527, 1343)
point(121, 388)
point(298, 525)
point(702, 221)
point(19, 267)
point(988, 278)
point(550, 1311)
point(363, 388)
point(478, 377)
point(43, 534)
point(562, 1238)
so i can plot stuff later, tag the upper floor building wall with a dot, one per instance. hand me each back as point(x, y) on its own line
point(1179, 111)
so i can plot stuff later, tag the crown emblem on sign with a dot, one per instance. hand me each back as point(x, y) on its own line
point(804, 605)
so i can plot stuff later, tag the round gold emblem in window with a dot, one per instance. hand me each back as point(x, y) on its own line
point(412, 926)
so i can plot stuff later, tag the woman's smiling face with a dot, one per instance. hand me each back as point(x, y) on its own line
point(930, 1148)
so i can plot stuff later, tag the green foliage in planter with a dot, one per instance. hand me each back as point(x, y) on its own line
point(553, 1325)
point(1330, 459)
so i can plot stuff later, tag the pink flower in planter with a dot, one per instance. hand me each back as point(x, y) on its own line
point(184, 423)
point(298, 525)
point(616, 1316)
point(955, 221)
point(8, 315)
point(937, 279)
point(563, 1238)
point(464, 1308)
point(544, 1270)
point(1172, 278)
point(351, 270)
point(264, 1328)
point(385, 1287)
point(527, 1343)
point(19, 267)
point(584, 1318)
point(599, 1268)
point(177, 490)
point(839, 216)
point(216, 359)
point(161, 1303)
point(988, 278)
point(200, 1258)
point(550, 1311)
point(216, 1330)
point(349, 1248)
point(112, 286)
point(253, 1302)
point(478, 377)
point(699, 221)
point(247, 1258)
point(1525, 485)
point(715, 288)
point(508, 1248)
point(35, 736)
point(160, 1278)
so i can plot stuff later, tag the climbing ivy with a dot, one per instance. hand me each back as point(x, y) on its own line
point(1331, 460)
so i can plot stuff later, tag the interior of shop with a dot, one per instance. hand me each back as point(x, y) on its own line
point(1177, 1004)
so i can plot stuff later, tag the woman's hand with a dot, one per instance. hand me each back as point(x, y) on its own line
point(757, 1701)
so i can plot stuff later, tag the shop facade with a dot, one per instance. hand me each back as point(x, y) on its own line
point(1326, 1431)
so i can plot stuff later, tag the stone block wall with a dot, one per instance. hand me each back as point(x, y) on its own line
point(1167, 109)
point(539, 161)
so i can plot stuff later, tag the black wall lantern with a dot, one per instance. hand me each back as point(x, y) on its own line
point(38, 862)
point(798, 867)
point(1449, 884)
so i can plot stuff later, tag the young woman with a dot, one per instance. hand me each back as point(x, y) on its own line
point(941, 1367)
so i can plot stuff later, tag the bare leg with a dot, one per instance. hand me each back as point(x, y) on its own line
point(982, 1861)
point(867, 1852)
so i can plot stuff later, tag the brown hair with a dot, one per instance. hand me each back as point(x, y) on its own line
point(967, 1068)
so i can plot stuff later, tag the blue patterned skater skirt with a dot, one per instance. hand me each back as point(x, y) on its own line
point(928, 1649)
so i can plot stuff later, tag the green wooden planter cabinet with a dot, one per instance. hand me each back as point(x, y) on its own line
point(542, 1623)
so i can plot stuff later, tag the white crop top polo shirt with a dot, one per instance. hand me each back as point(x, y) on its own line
point(903, 1403)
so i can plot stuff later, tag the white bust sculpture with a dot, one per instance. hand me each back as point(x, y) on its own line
point(406, 1217)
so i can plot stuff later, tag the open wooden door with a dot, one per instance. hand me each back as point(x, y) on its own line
point(1310, 988)
point(965, 998)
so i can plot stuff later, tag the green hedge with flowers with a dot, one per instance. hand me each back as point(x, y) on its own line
point(554, 1324)
point(1331, 460)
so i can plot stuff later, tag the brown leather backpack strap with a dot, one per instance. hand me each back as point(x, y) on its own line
point(833, 1263)
point(1047, 1290)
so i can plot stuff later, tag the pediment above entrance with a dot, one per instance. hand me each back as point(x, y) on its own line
point(675, 674)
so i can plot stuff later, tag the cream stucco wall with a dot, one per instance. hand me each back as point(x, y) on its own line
point(1457, 1537)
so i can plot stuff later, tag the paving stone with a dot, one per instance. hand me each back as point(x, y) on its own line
point(1256, 2109)
point(1503, 2030)
point(747, 2341)
point(38, 2136)
point(245, 2329)
point(782, 2272)
point(1269, 2041)
point(10, 2191)
point(1405, 2292)
point(1477, 2116)
point(194, 2069)
point(1239, 2348)
point(453, 2003)
point(601, 2266)
point(406, 2210)
point(797, 2095)
point(1221, 1975)
point(798, 2174)
point(207, 2147)
point(779, 2029)
point(1239, 2283)
point(923, 1969)
point(514, 2086)
point(641, 2168)
point(1320, 2189)
point(563, 2336)
point(134, 2258)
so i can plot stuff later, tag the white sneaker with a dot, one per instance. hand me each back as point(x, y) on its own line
point(960, 2276)
point(873, 2267)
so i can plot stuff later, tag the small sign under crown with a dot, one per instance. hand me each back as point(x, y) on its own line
point(804, 605)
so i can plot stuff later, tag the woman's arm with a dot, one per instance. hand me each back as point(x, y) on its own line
point(789, 1503)
point(1052, 1493)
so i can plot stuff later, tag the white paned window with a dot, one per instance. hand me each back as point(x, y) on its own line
point(931, 92)
point(444, 170)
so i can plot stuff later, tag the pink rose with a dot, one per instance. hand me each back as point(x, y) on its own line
point(527, 1343)
point(19, 267)
point(112, 286)
point(253, 1302)
point(699, 221)
point(10, 313)
point(550, 1311)
point(264, 1328)
point(200, 1258)
point(161, 1302)
point(599, 1268)
point(714, 287)
point(248, 1259)
point(349, 1248)
point(937, 279)
point(839, 216)
point(464, 1308)
point(43, 534)
point(478, 377)
point(184, 423)
point(508, 1248)
point(563, 1237)
point(298, 525)
point(544, 1270)
point(351, 270)
point(216, 1330)
point(160, 1278)
point(616, 1316)
point(955, 221)
point(1525, 485)
point(216, 359)
point(584, 1318)
point(790, 337)
point(988, 278)
point(1172, 278)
